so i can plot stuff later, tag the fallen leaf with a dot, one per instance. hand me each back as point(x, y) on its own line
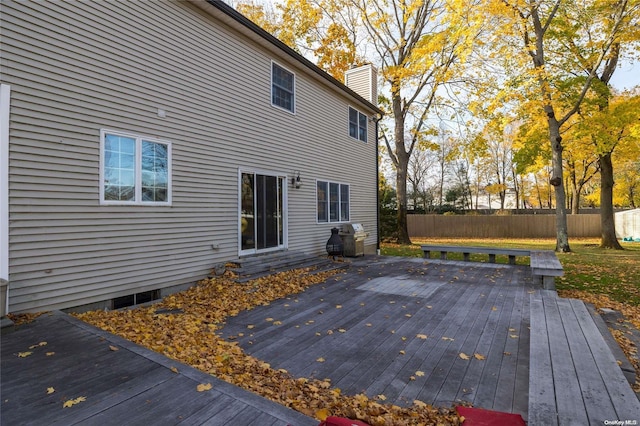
point(513, 336)
point(320, 359)
point(494, 309)
point(419, 373)
point(203, 387)
point(506, 353)
point(174, 369)
point(338, 306)
point(479, 356)
point(322, 414)
point(412, 378)
point(114, 348)
point(407, 315)
point(448, 339)
point(277, 323)
point(342, 330)
point(368, 324)
point(421, 336)
point(72, 402)
point(512, 329)
point(50, 353)
point(401, 352)
point(38, 345)
point(250, 326)
point(24, 354)
point(50, 391)
point(381, 397)
point(269, 319)
point(463, 355)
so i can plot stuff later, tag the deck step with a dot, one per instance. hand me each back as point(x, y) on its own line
point(573, 376)
point(253, 267)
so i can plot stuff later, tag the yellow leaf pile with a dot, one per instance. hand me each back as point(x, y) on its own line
point(191, 336)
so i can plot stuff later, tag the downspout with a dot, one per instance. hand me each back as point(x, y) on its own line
point(377, 120)
point(5, 101)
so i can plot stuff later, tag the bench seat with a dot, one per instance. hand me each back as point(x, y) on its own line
point(466, 252)
point(544, 264)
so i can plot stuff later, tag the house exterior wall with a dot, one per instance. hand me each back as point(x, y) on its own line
point(169, 71)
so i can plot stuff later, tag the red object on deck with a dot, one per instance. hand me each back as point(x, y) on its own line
point(480, 417)
point(341, 421)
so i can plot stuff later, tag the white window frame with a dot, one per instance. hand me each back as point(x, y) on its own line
point(366, 128)
point(138, 169)
point(293, 93)
point(328, 202)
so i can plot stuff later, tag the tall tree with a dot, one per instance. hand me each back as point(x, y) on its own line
point(544, 31)
point(610, 128)
point(417, 43)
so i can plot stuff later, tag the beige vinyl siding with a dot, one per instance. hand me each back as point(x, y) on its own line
point(78, 67)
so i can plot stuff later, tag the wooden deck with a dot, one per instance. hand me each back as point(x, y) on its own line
point(442, 332)
point(366, 332)
point(127, 386)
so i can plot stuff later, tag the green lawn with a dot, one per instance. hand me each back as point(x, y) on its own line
point(589, 268)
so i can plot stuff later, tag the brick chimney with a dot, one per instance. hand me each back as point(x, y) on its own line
point(364, 81)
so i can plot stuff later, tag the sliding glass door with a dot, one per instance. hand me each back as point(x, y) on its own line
point(262, 216)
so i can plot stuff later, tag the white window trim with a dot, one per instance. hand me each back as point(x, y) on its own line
point(329, 182)
point(138, 177)
point(295, 95)
point(349, 122)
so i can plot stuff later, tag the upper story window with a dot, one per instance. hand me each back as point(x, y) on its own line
point(357, 124)
point(134, 169)
point(332, 202)
point(282, 88)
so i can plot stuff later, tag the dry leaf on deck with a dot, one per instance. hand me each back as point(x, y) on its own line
point(463, 355)
point(204, 387)
point(72, 402)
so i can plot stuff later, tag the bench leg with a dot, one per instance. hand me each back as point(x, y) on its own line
point(512, 260)
point(548, 283)
point(466, 257)
point(443, 255)
point(492, 258)
point(426, 254)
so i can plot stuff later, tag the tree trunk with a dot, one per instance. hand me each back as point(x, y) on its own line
point(402, 167)
point(562, 232)
point(607, 222)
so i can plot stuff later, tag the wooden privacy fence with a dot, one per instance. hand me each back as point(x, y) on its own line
point(515, 226)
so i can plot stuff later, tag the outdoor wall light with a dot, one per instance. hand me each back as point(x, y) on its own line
point(295, 180)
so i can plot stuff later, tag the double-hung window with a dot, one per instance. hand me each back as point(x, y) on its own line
point(332, 202)
point(134, 169)
point(282, 88)
point(357, 124)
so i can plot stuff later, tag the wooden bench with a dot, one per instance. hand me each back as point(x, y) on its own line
point(544, 264)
